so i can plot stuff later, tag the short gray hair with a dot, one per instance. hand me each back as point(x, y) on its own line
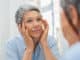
point(24, 8)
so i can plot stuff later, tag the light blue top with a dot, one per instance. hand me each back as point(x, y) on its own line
point(15, 48)
point(73, 53)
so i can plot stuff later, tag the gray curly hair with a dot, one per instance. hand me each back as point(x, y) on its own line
point(24, 8)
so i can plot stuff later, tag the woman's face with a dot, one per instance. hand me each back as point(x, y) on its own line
point(74, 16)
point(33, 22)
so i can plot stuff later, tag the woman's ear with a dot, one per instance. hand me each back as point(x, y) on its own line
point(73, 15)
point(19, 27)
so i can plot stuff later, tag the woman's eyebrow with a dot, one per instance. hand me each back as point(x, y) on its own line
point(40, 16)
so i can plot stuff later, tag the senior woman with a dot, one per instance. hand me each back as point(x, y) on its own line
point(33, 42)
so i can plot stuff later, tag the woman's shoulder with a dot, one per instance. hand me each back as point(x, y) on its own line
point(14, 41)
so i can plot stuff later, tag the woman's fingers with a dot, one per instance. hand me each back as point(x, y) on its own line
point(45, 32)
point(46, 26)
point(27, 39)
point(23, 27)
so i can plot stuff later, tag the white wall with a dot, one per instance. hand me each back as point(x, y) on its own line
point(4, 25)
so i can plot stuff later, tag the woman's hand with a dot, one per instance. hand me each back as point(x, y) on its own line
point(43, 39)
point(27, 39)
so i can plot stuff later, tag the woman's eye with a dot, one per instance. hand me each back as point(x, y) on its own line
point(29, 21)
point(39, 19)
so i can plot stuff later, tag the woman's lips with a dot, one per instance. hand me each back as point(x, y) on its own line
point(36, 30)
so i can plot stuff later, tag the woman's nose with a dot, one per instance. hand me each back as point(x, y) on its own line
point(36, 23)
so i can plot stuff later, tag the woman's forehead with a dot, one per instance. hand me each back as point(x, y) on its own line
point(31, 14)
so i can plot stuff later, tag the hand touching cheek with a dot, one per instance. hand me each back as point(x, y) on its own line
point(45, 27)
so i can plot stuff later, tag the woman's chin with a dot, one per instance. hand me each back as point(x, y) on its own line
point(36, 36)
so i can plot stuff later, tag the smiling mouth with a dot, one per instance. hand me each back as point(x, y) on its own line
point(37, 30)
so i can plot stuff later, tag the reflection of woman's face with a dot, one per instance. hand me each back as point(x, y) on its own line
point(74, 16)
point(33, 22)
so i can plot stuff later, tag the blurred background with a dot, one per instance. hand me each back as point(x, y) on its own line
point(8, 28)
